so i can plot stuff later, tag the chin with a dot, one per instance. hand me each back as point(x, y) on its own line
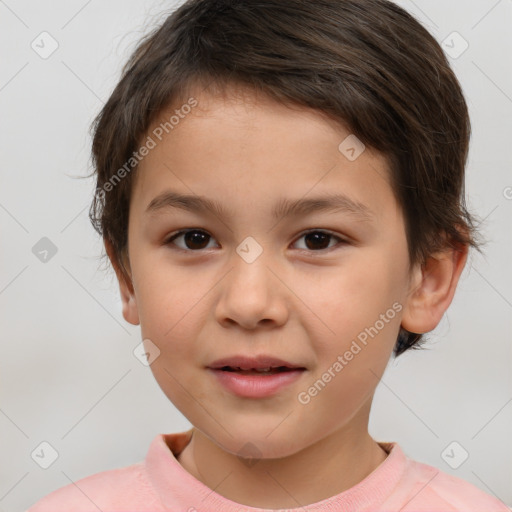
point(260, 441)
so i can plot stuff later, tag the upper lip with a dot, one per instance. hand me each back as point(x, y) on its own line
point(248, 363)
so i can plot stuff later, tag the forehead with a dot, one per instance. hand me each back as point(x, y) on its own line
point(243, 141)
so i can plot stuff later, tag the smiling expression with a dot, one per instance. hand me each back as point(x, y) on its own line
point(325, 257)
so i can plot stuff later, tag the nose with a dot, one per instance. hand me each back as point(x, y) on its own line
point(252, 295)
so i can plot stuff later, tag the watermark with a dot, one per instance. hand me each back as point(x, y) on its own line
point(249, 249)
point(44, 45)
point(351, 147)
point(149, 144)
point(507, 193)
point(146, 352)
point(455, 455)
point(44, 455)
point(304, 397)
point(44, 250)
point(249, 454)
point(454, 45)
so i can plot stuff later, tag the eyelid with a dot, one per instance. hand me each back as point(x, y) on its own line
point(326, 231)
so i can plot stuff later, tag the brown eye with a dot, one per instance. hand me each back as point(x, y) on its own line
point(317, 240)
point(193, 240)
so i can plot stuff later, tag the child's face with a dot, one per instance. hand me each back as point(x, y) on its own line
point(303, 300)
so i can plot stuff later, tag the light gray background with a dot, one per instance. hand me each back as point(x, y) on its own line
point(67, 372)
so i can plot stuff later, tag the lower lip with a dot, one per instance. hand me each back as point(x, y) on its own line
point(256, 386)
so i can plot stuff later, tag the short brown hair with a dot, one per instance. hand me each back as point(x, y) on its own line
point(366, 63)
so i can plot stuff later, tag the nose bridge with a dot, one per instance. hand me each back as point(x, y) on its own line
point(251, 292)
point(250, 261)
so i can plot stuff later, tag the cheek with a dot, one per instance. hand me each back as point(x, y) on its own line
point(165, 306)
point(344, 295)
point(348, 303)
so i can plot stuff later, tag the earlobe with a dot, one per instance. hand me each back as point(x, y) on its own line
point(130, 310)
point(432, 289)
point(126, 290)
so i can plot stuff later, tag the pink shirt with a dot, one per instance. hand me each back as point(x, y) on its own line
point(160, 483)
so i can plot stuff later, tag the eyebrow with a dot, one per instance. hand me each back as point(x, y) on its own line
point(284, 207)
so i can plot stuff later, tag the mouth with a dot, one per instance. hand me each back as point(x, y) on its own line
point(255, 377)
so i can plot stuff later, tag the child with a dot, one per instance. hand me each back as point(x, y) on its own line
point(260, 128)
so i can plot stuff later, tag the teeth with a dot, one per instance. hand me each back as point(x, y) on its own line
point(258, 370)
point(253, 369)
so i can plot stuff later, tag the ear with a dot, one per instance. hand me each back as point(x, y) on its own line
point(130, 310)
point(432, 289)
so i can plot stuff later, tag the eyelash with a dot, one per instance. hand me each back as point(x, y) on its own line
point(176, 235)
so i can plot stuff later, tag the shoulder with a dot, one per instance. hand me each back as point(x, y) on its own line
point(114, 489)
point(427, 488)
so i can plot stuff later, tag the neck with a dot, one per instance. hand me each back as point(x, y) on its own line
point(330, 466)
